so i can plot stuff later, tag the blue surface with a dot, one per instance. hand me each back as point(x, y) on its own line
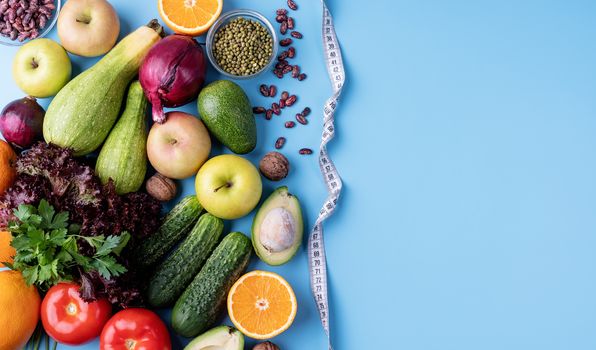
point(466, 141)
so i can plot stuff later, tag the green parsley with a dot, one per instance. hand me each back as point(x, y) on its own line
point(47, 247)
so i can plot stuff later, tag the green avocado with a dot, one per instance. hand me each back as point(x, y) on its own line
point(218, 338)
point(227, 113)
point(278, 227)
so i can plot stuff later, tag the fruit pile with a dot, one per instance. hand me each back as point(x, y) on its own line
point(81, 183)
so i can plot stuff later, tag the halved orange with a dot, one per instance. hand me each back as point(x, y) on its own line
point(262, 304)
point(190, 17)
point(7, 252)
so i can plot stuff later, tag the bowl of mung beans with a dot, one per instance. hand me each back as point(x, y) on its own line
point(241, 44)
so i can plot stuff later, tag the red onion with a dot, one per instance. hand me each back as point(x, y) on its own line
point(172, 73)
point(21, 122)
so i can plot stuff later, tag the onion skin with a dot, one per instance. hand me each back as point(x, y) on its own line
point(21, 122)
point(172, 73)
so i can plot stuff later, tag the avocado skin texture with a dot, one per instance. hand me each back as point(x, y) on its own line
point(280, 198)
point(227, 113)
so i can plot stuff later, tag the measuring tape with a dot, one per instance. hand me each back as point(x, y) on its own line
point(316, 244)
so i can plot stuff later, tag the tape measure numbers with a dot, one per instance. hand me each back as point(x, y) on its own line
point(316, 244)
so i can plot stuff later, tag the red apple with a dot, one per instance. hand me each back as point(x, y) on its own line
point(178, 147)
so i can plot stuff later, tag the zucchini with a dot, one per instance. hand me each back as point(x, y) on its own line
point(177, 271)
point(84, 111)
point(203, 301)
point(175, 226)
point(123, 157)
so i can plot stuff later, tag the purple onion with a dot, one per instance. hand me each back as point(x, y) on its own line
point(21, 122)
point(172, 73)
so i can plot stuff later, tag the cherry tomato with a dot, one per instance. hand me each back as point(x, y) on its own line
point(135, 329)
point(69, 319)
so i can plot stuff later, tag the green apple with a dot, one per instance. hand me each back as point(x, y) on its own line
point(41, 68)
point(88, 27)
point(228, 186)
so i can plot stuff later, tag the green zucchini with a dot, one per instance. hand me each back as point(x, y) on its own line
point(177, 271)
point(123, 157)
point(175, 226)
point(202, 302)
point(84, 111)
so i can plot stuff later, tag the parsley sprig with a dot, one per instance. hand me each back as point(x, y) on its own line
point(47, 248)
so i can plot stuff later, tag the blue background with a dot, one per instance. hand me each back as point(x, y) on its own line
point(466, 142)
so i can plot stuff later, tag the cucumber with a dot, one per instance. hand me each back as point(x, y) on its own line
point(175, 226)
point(84, 111)
point(203, 301)
point(123, 157)
point(177, 271)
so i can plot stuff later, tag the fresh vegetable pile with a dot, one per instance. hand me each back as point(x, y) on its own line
point(83, 183)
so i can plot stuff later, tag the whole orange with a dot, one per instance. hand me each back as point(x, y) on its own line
point(19, 310)
point(7, 252)
point(8, 172)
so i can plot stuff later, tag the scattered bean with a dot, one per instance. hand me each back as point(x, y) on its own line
point(292, 5)
point(306, 111)
point(291, 52)
point(300, 118)
point(269, 114)
point(295, 71)
point(285, 42)
point(305, 151)
point(259, 110)
point(283, 29)
point(296, 34)
point(291, 100)
point(285, 95)
point(291, 22)
point(301, 77)
point(275, 108)
point(281, 141)
point(290, 124)
point(272, 91)
point(264, 90)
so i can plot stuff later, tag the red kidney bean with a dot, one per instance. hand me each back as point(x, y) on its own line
point(305, 151)
point(292, 5)
point(296, 34)
point(306, 111)
point(291, 22)
point(291, 52)
point(285, 95)
point(287, 69)
point(264, 90)
point(278, 73)
point(269, 114)
point(295, 71)
point(272, 91)
point(302, 77)
point(275, 108)
point(280, 142)
point(281, 12)
point(281, 18)
point(300, 118)
point(282, 103)
point(285, 42)
point(291, 100)
point(283, 55)
point(258, 110)
point(289, 124)
point(283, 29)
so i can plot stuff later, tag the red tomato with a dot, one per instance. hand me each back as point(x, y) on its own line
point(69, 319)
point(135, 329)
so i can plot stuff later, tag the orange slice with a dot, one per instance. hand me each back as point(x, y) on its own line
point(262, 304)
point(190, 17)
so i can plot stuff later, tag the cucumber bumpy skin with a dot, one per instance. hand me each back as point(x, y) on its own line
point(177, 271)
point(175, 226)
point(203, 301)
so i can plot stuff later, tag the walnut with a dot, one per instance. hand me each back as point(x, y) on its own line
point(274, 166)
point(266, 346)
point(161, 188)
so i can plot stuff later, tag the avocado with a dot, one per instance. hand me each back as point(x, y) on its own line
point(227, 113)
point(278, 227)
point(218, 338)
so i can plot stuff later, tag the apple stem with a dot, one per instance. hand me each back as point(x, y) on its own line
point(226, 185)
point(34, 64)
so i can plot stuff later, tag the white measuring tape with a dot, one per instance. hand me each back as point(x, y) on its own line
point(316, 244)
